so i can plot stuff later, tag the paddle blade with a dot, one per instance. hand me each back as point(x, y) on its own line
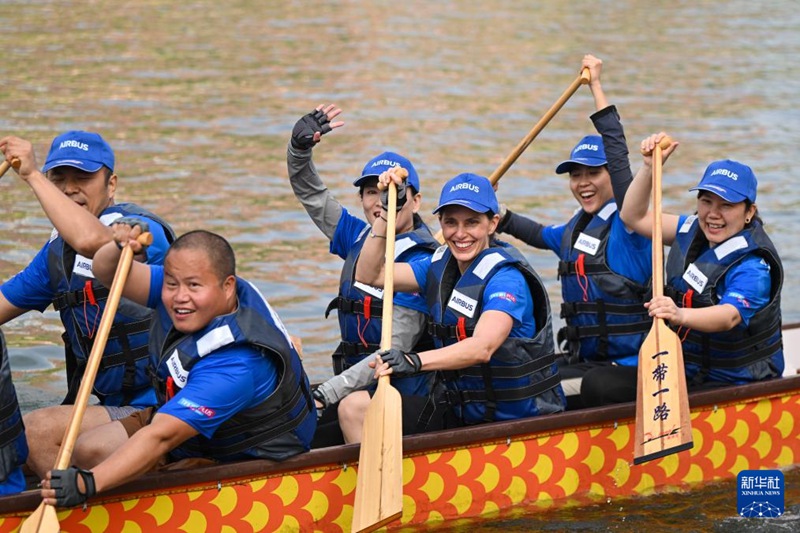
point(42, 520)
point(379, 486)
point(663, 425)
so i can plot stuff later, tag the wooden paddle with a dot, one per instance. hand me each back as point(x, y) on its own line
point(5, 165)
point(379, 486)
point(498, 173)
point(44, 519)
point(663, 425)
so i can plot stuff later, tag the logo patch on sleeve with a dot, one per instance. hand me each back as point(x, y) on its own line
point(504, 295)
point(203, 410)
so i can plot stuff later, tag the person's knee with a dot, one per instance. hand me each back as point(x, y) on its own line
point(353, 406)
point(47, 423)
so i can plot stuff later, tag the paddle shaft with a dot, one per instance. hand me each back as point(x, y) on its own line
point(584, 78)
point(658, 242)
point(42, 519)
point(379, 485)
point(498, 173)
point(388, 276)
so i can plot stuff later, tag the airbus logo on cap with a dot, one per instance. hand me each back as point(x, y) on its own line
point(725, 172)
point(385, 162)
point(592, 147)
point(74, 144)
point(468, 186)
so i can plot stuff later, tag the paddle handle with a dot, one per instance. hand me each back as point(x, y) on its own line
point(5, 165)
point(664, 143)
point(98, 347)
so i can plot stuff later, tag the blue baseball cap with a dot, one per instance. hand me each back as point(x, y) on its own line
point(80, 149)
point(470, 190)
point(381, 163)
point(589, 152)
point(730, 180)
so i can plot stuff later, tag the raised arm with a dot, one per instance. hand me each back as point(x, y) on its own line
point(607, 123)
point(635, 213)
point(306, 183)
point(81, 229)
point(371, 261)
point(104, 265)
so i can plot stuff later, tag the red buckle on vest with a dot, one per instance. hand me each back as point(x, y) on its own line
point(170, 388)
point(461, 328)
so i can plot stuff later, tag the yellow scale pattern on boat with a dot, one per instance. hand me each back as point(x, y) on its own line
point(574, 466)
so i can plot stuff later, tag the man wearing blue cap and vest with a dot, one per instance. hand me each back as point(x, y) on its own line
point(604, 266)
point(76, 188)
point(359, 306)
point(489, 313)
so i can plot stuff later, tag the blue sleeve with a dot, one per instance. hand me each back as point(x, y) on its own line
point(552, 236)
point(221, 385)
point(156, 282)
point(31, 288)
point(347, 231)
point(420, 268)
point(746, 287)
point(629, 254)
point(507, 291)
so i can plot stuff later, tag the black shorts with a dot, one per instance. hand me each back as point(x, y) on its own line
point(420, 415)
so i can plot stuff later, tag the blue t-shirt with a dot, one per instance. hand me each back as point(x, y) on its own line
point(31, 287)
point(627, 252)
point(348, 230)
point(746, 285)
point(506, 291)
point(225, 382)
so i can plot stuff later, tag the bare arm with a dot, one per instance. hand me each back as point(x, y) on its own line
point(370, 265)
point(78, 227)
point(635, 212)
point(713, 319)
point(139, 454)
point(491, 331)
point(8, 311)
point(104, 265)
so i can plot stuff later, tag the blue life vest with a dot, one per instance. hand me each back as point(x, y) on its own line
point(279, 427)
point(605, 313)
point(521, 378)
point(13, 446)
point(80, 300)
point(360, 307)
point(743, 354)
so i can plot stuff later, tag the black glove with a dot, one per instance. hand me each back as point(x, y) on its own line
point(306, 127)
point(133, 221)
point(318, 396)
point(401, 197)
point(65, 483)
point(402, 363)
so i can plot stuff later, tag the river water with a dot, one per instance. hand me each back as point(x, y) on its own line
point(198, 99)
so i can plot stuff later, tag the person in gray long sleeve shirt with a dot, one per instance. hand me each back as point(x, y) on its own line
point(604, 267)
point(359, 306)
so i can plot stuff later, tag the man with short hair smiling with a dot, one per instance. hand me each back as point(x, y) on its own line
point(230, 383)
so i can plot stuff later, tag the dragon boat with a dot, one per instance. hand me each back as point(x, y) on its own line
point(575, 458)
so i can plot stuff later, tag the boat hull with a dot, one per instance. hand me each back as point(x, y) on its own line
point(573, 458)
